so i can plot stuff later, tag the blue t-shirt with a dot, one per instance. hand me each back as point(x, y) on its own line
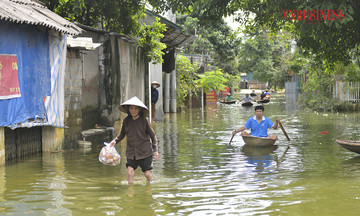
point(259, 129)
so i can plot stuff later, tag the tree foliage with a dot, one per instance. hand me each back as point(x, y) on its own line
point(111, 15)
point(186, 76)
point(121, 16)
point(218, 41)
point(268, 56)
point(317, 86)
point(211, 80)
point(150, 36)
point(330, 40)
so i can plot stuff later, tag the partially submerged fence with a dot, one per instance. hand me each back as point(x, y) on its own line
point(347, 91)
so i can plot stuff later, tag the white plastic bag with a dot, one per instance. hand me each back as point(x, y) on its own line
point(109, 156)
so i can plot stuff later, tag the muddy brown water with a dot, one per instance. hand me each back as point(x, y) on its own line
point(198, 173)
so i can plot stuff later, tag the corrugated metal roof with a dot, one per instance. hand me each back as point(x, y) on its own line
point(82, 43)
point(32, 12)
point(173, 37)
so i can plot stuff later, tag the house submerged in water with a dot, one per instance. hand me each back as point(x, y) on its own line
point(73, 77)
point(32, 56)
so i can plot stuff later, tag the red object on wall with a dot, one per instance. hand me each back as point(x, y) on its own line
point(226, 91)
point(9, 79)
point(211, 97)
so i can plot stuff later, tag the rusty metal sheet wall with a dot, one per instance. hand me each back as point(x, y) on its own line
point(22, 142)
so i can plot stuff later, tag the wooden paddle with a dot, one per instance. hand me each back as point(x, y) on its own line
point(232, 138)
point(283, 130)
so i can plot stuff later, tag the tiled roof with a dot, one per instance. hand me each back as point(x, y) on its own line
point(33, 12)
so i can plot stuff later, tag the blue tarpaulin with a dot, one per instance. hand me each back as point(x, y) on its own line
point(31, 46)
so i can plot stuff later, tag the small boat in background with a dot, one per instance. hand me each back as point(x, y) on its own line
point(258, 141)
point(263, 101)
point(350, 145)
point(247, 104)
point(228, 102)
point(252, 94)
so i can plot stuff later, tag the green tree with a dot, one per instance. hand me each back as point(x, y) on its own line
point(216, 40)
point(317, 87)
point(256, 56)
point(324, 40)
point(112, 15)
point(211, 80)
point(149, 41)
point(186, 76)
point(233, 81)
point(121, 16)
point(268, 56)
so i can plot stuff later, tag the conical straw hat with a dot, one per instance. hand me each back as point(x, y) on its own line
point(156, 83)
point(133, 101)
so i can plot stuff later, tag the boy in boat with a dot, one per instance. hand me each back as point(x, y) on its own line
point(259, 125)
point(267, 95)
point(228, 97)
point(261, 96)
point(247, 98)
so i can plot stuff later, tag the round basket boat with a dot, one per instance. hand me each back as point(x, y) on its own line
point(228, 102)
point(247, 104)
point(350, 145)
point(258, 150)
point(258, 141)
point(263, 101)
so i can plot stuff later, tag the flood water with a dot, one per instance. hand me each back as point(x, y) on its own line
point(199, 173)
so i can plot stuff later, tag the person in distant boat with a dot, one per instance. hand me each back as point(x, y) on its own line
point(253, 93)
point(246, 98)
point(228, 97)
point(259, 124)
point(267, 95)
point(262, 96)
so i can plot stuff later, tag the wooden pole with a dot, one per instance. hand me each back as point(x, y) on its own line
point(283, 130)
point(231, 139)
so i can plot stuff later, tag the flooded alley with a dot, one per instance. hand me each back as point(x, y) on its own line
point(199, 173)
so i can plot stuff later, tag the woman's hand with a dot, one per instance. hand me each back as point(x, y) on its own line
point(156, 155)
point(113, 142)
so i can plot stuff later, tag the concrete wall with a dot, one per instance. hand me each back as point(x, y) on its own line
point(124, 76)
point(90, 84)
point(52, 139)
point(132, 72)
point(73, 97)
point(90, 90)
